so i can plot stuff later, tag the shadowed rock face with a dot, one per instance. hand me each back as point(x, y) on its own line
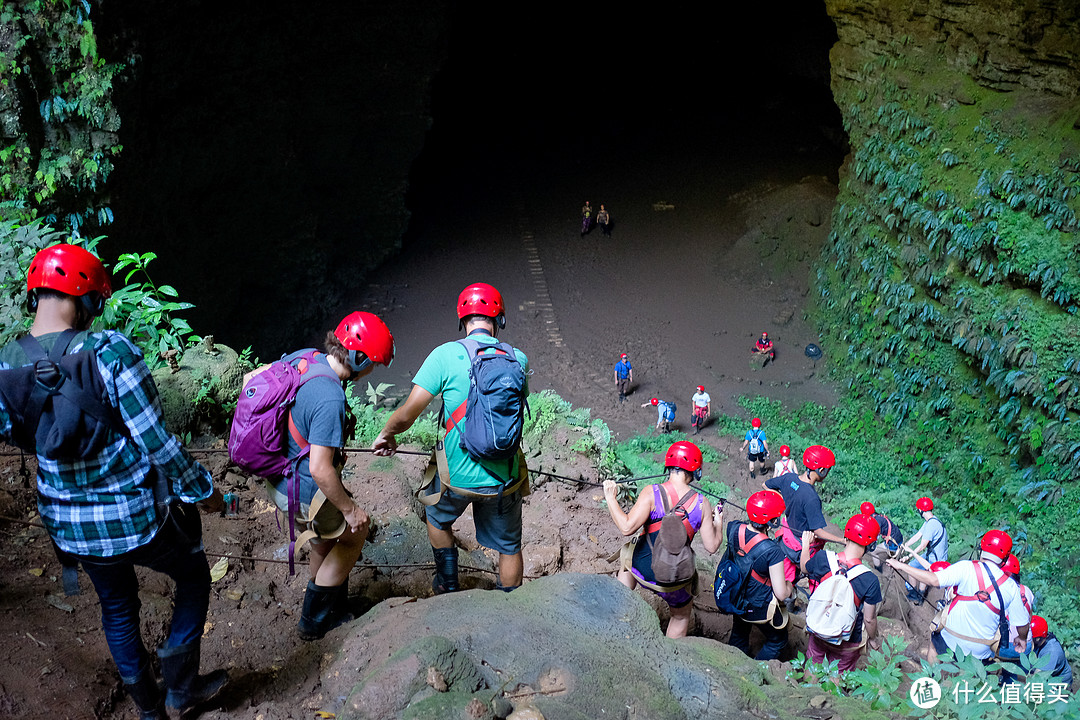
point(570, 646)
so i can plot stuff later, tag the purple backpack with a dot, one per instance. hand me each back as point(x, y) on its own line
point(258, 440)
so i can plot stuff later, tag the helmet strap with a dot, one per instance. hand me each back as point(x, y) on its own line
point(358, 361)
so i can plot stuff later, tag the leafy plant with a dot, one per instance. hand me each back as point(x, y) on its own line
point(145, 311)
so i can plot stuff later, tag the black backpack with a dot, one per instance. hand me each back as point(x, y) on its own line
point(733, 590)
point(672, 557)
point(57, 402)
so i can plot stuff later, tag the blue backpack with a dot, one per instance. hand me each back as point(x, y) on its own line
point(495, 407)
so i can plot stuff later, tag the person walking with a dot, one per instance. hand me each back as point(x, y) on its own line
point(494, 488)
point(767, 587)
point(624, 376)
point(665, 414)
point(603, 219)
point(682, 463)
point(701, 407)
point(803, 511)
point(756, 447)
point(321, 502)
point(890, 541)
point(127, 496)
point(785, 464)
point(985, 596)
point(931, 538)
point(860, 532)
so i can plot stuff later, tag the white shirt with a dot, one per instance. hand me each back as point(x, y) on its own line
point(783, 466)
point(973, 618)
point(701, 399)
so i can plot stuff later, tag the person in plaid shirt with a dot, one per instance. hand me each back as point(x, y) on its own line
point(101, 508)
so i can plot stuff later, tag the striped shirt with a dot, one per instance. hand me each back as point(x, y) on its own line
point(104, 506)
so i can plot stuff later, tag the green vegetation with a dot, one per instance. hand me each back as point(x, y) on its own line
point(60, 122)
point(948, 292)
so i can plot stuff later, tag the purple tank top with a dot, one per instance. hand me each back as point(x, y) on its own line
point(693, 516)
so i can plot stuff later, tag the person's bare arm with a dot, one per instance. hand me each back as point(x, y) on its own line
point(823, 534)
point(781, 588)
point(711, 524)
point(628, 523)
point(401, 420)
point(870, 626)
point(924, 576)
point(804, 553)
point(328, 479)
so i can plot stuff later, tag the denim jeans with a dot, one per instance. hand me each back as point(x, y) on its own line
point(172, 552)
point(775, 640)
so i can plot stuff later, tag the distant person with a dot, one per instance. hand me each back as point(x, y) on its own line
point(702, 408)
point(803, 510)
point(665, 414)
point(931, 538)
point(493, 488)
point(586, 218)
point(767, 586)
point(603, 219)
point(764, 346)
point(1047, 645)
point(860, 532)
point(317, 422)
point(890, 540)
point(624, 376)
point(975, 612)
point(756, 447)
point(786, 464)
point(683, 464)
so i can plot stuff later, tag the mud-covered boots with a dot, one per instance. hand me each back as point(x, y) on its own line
point(185, 687)
point(446, 570)
point(148, 697)
point(324, 609)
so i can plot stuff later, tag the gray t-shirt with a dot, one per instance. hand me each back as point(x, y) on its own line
point(933, 531)
point(319, 415)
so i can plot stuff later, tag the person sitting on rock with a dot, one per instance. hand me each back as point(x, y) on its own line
point(683, 463)
point(764, 346)
point(665, 414)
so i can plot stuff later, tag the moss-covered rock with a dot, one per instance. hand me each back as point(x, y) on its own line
point(202, 389)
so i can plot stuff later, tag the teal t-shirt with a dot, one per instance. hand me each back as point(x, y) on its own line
point(446, 372)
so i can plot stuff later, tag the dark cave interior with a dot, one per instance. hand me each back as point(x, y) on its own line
point(253, 137)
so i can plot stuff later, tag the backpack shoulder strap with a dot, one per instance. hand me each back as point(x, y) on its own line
point(744, 550)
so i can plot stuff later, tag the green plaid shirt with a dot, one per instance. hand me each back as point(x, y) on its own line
point(104, 506)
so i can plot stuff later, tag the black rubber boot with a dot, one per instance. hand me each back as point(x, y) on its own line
point(324, 609)
point(504, 588)
point(147, 695)
point(186, 688)
point(446, 572)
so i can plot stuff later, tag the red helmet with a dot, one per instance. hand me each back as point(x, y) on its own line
point(1011, 566)
point(71, 270)
point(362, 332)
point(785, 451)
point(623, 356)
point(862, 529)
point(684, 455)
point(764, 505)
point(939, 565)
point(765, 335)
point(1039, 628)
point(701, 388)
point(867, 508)
point(997, 543)
point(655, 401)
point(756, 422)
point(818, 457)
point(924, 504)
point(481, 299)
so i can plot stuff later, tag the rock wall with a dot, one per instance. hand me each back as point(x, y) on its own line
point(952, 276)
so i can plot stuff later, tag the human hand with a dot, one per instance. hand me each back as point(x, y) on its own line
point(213, 504)
point(610, 487)
point(718, 512)
point(384, 445)
point(807, 537)
point(357, 518)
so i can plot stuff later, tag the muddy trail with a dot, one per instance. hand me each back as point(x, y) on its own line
point(689, 277)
